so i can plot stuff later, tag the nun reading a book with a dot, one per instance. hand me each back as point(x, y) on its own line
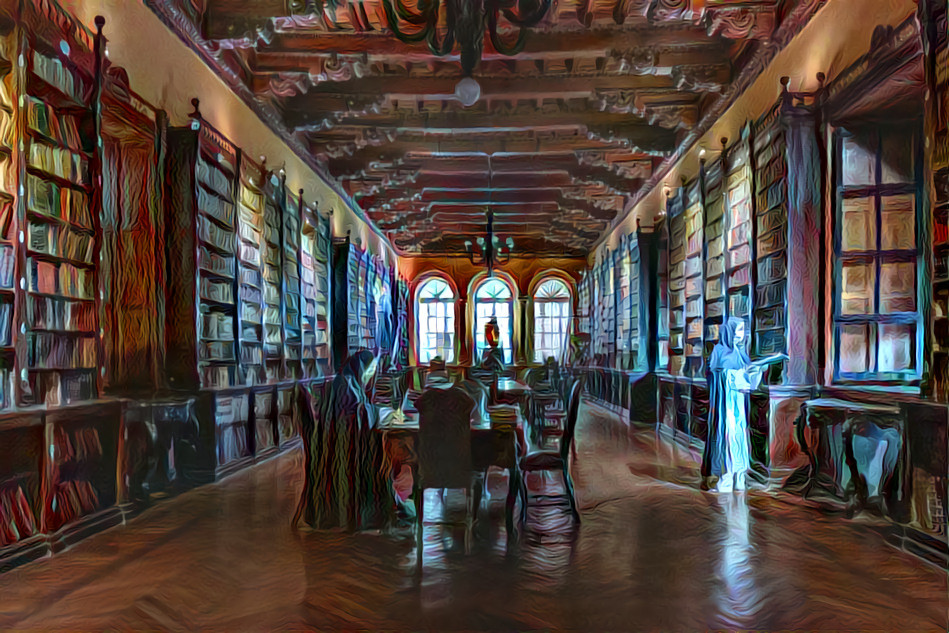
point(346, 475)
point(732, 377)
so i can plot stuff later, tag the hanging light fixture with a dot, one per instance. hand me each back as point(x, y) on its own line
point(491, 249)
point(466, 21)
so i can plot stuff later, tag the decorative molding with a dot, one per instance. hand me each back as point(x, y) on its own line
point(741, 22)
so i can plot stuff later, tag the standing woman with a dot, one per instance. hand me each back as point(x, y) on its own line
point(346, 483)
point(726, 451)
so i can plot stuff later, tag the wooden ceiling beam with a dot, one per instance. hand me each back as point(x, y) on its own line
point(539, 44)
point(461, 120)
point(300, 110)
point(502, 151)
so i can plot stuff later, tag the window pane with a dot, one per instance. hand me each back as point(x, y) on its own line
point(898, 287)
point(896, 347)
point(857, 289)
point(854, 348)
point(899, 222)
point(896, 163)
point(859, 223)
point(858, 161)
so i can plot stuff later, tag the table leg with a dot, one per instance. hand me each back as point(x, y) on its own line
point(859, 484)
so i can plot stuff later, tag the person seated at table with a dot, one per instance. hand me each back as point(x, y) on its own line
point(346, 479)
point(492, 359)
point(436, 371)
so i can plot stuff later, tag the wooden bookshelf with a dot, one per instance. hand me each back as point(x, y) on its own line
point(292, 289)
point(271, 259)
point(694, 310)
point(203, 322)
point(350, 312)
point(677, 304)
point(584, 302)
point(624, 304)
point(308, 239)
point(738, 210)
point(321, 269)
point(771, 260)
point(250, 248)
point(402, 310)
point(55, 163)
point(715, 283)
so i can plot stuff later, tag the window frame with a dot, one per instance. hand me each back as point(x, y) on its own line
point(507, 334)
point(878, 256)
point(449, 317)
point(564, 319)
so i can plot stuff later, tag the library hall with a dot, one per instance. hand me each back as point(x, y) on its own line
point(474, 315)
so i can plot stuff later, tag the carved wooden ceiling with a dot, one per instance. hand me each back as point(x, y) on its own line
point(564, 136)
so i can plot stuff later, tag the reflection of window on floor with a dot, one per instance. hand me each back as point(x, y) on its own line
point(493, 298)
point(876, 316)
point(435, 310)
point(551, 319)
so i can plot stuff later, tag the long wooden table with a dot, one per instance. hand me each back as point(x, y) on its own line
point(498, 445)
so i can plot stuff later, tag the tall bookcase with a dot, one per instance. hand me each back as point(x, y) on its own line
point(677, 257)
point(250, 231)
point(271, 261)
point(292, 288)
point(738, 209)
point(771, 260)
point(694, 247)
point(203, 314)
point(55, 170)
point(715, 283)
point(314, 268)
point(402, 309)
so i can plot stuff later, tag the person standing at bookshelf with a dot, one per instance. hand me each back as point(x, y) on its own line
point(732, 378)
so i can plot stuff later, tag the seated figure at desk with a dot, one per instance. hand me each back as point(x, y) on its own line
point(493, 357)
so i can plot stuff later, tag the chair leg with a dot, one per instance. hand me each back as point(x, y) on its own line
point(469, 498)
point(571, 496)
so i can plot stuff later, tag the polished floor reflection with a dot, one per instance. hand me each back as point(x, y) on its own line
point(653, 554)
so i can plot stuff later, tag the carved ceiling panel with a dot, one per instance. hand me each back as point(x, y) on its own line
point(562, 135)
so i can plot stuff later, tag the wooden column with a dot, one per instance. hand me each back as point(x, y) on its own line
point(804, 315)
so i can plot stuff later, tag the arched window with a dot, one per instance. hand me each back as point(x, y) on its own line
point(551, 319)
point(493, 298)
point(435, 321)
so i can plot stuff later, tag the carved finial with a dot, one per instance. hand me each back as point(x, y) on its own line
point(724, 142)
point(300, 191)
point(196, 114)
point(785, 81)
point(100, 22)
point(821, 77)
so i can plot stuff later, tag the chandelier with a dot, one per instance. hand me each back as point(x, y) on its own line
point(490, 249)
point(466, 21)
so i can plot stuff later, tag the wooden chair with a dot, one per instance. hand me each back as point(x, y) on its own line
point(549, 460)
point(444, 451)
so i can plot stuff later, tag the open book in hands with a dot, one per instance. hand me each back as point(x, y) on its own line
point(764, 363)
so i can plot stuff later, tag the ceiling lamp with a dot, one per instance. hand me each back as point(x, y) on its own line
point(490, 249)
point(465, 23)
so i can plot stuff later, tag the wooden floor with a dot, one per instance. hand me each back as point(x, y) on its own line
point(650, 555)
